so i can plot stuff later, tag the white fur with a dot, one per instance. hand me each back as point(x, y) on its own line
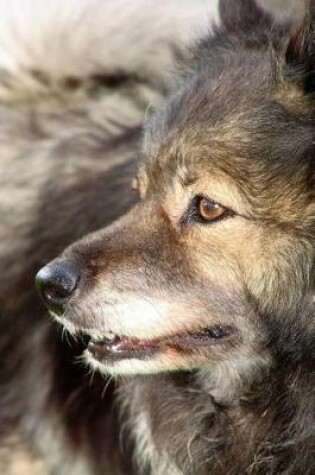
point(135, 317)
point(125, 315)
point(77, 38)
point(146, 453)
point(156, 364)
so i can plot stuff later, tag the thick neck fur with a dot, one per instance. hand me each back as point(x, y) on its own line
point(203, 423)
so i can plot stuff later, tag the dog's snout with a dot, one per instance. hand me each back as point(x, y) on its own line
point(56, 283)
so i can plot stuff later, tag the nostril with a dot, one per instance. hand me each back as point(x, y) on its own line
point(56, 294)
point(56, 283)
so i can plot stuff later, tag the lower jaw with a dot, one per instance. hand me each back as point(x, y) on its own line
point(137, 365)
point(113, 356)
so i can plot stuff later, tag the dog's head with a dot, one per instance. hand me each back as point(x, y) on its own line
point(215, 262)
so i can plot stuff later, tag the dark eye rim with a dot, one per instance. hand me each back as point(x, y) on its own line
point(192, 214)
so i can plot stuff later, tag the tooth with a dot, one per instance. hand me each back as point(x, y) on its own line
point(97, 335)
point(109, 335)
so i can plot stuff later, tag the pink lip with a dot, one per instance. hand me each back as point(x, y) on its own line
point(124, 348)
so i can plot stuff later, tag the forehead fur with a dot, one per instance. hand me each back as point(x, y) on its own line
point(233, 113)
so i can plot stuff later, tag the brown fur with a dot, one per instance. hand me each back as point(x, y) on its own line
point(69, 139)
point(72, 100)
point(243, 403)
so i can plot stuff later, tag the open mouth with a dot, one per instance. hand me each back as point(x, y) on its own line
point(113, 347)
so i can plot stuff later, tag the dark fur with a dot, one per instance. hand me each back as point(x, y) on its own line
point(68, 155)
point(250, 67)
point(261, 423)
point(245, 110)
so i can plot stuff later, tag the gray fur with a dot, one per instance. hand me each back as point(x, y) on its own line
point(76, 79)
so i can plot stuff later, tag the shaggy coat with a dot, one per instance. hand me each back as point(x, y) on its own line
point(76, 79)
point(204, 290)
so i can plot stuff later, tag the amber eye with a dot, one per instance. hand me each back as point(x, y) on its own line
point(209, 210)
point(206, 211)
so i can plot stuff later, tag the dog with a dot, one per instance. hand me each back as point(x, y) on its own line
point(76, 80)
point(199, 301)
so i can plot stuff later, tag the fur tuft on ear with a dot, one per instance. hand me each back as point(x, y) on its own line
point(243, 17)
point(300, 52)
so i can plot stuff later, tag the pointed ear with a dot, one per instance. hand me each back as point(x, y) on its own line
point(300, 53)
point(244, 17)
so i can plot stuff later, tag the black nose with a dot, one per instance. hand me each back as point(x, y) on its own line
point(56, 283)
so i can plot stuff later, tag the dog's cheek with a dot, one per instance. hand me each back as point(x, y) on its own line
point(278, 276)
point(213, 255)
